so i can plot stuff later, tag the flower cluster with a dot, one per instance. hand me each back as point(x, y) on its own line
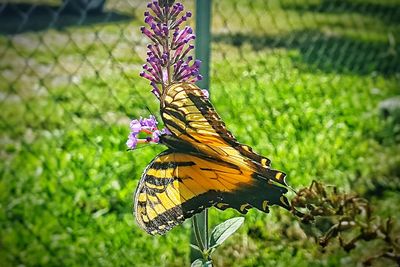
point(168, 61)
point(167, 56)
point(144, 131)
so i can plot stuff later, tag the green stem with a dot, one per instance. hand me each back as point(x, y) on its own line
point(200, 231)
point(197, 233)
point(205, 230)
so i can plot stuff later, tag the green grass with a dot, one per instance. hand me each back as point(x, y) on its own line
point(300, 81)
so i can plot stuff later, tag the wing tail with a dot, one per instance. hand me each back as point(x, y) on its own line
point(265, 189)
point(260, 194)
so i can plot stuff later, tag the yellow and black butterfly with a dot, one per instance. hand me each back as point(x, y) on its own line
point(204, 166)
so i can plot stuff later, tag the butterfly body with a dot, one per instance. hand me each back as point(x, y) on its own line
point(204, 166)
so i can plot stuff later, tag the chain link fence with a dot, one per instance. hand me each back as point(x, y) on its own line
point(296, 79)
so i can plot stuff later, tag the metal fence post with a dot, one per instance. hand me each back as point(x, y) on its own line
point(203, 44)
point(203, 40)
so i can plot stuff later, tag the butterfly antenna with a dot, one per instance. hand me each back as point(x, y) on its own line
point(291, 188)
point(148, 109)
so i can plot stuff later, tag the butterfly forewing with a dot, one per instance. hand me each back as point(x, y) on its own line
point(190, 116)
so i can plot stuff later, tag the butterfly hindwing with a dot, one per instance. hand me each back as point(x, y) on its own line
point(177, 185)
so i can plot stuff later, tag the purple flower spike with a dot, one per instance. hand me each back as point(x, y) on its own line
point(167, 55)
point(168, 61)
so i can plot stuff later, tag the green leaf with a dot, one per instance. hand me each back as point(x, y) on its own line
point(201, 263)
point(196, 248)
point(224, 230)
point(197, 263)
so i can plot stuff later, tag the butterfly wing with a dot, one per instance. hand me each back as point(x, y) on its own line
point(190, 116)
point(177, 185)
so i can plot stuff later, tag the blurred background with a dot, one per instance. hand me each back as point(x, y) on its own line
point(312, 84)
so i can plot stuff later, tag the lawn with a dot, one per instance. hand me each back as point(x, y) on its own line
point(299, 80)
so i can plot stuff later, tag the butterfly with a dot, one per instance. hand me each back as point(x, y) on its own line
point(203, 166)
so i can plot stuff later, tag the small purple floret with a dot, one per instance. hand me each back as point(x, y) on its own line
point(135, 126)
point(149, 124)
point(132, 141)
point(147, 127)
point(156, 136)
point(205, 93)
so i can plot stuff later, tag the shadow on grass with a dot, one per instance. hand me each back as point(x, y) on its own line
point(326, 52)
point(388, 13)
point(22, 17)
